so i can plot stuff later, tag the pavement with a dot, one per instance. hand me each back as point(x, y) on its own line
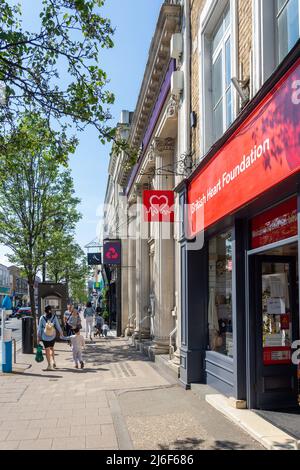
point(272, 437)
point(120, 400)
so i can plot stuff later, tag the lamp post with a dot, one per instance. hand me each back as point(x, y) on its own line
point(6, 342)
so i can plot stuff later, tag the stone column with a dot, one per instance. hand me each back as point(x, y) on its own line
point(124, 288)
point(131, 269)
point(164, 263)
point(142, 271)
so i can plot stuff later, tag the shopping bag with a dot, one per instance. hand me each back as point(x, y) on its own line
point(39, 353)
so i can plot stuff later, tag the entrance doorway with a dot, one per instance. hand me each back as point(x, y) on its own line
point(275, 311)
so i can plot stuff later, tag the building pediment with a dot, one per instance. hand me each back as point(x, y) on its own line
point(156, 68)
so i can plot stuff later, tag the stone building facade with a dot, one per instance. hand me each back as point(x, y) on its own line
point(209, 108)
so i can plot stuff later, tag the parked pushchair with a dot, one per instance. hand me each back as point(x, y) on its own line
point(98, 330)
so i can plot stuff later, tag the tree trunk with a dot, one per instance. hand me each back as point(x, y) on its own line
point(33, 311)
point(44, 271)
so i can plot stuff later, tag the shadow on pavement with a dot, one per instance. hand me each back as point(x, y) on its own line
point(194, 443)
point(52, 376)
point(183, 444)
point(96, 353)
point(81, 371)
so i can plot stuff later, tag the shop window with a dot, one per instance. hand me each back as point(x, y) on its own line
point(220, 295)
point(276, 30)
point(221, 76)
point(287, 26)
point(218, 49)
point(277, 317)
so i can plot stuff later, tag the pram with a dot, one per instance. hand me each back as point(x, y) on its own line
point(98, 330)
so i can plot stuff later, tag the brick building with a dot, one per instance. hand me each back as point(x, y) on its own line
point(240, 237)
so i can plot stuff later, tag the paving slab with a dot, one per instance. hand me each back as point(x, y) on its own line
point(120, 400)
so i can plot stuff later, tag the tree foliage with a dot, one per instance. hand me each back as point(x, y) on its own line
point(67, 263)
point(54, 70)
point(36, 195)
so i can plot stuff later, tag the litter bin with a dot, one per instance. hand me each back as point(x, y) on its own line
point(7, 352)
point(27, 335)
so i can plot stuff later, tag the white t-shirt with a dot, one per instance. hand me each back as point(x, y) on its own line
point(77, 342)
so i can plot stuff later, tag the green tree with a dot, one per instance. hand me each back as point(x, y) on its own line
point(34, 194)
point(54, 70)
point(67, 263)
point(78, 282)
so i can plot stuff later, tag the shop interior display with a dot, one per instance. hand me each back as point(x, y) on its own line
point(220, 310)
point(275, 296)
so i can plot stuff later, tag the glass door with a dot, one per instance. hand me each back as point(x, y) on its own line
point(276, 329)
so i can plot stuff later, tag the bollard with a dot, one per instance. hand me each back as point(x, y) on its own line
point(6, 337)
point(7, 356)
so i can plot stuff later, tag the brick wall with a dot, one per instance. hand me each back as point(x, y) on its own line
point(244, 47)
point(245, 36)
point(196, 9)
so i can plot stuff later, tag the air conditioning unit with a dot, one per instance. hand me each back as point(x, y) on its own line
point(177, 83)
point(176, 46)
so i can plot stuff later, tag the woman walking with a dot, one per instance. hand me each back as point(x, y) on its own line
point(89, 313)
point(47, 330)
point(74, 321)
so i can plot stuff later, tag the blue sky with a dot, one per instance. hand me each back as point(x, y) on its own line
point(134, 22)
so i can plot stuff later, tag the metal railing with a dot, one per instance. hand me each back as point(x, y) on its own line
point(15, 350)
point(131, 318)
point(171, 347)
point(140, 323)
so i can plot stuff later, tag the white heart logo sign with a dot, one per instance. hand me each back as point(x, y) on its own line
point(159, 205)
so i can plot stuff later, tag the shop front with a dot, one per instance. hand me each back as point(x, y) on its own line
point(240, 295)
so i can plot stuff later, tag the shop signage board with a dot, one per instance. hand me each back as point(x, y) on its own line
point(94, 259)
point(276, 306)
point(158, 206)
point(277, 355)
point(274, 225)
point(112, 252)
point(261, 153)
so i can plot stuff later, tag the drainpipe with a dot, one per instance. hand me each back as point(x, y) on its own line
point(187, 71)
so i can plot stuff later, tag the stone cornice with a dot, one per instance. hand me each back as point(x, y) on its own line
point(158, 61)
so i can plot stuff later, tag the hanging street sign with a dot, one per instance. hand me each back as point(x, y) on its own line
point(112, 252)
point(94, 259)
point(158, 206)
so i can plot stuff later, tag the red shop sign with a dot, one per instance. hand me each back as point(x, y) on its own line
point(277, 355)
point(262, 152)
point(158, 206)
point(275, 224)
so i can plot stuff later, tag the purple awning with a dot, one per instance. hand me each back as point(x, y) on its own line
point(164, 91)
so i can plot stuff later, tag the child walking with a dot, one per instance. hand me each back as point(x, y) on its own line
point(105, 329)
point(77, 343)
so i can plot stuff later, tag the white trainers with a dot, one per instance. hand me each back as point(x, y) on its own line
point(49, 368)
